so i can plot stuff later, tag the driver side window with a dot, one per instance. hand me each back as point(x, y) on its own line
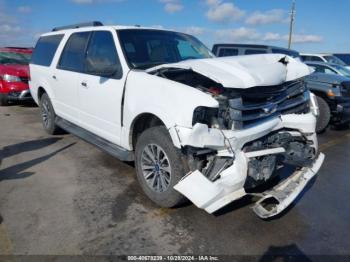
point(102, 50)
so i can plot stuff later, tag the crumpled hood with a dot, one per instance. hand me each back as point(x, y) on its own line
point(245, 71)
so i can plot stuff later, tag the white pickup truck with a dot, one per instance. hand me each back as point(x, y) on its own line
point(207, 129)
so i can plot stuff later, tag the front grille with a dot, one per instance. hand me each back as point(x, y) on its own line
point(261, 103)
point(24, 79)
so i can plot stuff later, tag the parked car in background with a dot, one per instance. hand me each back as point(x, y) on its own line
point(333, 97)
point(325, 58)
point(14, 74)
point(344, 57)
point(221, 50)
point(327, 68)
point(199, 127)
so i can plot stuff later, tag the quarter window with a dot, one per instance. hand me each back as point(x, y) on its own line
point(73, 55)
point(45, 50)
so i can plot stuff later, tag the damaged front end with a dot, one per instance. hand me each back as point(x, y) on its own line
point(256, 136)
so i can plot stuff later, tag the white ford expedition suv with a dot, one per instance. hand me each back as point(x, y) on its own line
point(207, 129)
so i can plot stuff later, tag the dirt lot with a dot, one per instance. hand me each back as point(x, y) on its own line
point(60, 195)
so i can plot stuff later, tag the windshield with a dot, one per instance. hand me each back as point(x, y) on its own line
point(147, 48)
point(342, 70)
point(13, 58)
point(334, 60)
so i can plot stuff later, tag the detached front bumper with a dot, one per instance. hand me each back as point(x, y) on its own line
point(287, 191)
point(212, 195)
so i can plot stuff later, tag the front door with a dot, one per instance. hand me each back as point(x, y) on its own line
point(100, 98)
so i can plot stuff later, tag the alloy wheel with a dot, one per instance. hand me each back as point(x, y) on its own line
point(156, 168)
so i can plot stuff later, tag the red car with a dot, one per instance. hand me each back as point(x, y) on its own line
point(14, 74)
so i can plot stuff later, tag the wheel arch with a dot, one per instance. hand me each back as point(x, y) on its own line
point(321, 94)
point(41, 91)
point(141, 123)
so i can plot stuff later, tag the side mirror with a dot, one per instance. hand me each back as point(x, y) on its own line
point(101, 68)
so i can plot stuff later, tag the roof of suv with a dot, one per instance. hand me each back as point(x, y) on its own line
point(96, 28)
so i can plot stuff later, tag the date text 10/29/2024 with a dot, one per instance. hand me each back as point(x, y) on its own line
point(173, 258)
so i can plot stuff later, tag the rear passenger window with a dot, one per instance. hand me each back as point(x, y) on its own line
point(73, 55)
point(228, 52)
point(102, 51)
point(254, 52)
point(45, 50)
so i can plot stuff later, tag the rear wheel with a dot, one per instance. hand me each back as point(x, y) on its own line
point(48, 115)
point(324, 116)
point(3, 100)
point(159, 167)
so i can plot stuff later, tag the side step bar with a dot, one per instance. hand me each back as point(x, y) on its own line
point(110, 148)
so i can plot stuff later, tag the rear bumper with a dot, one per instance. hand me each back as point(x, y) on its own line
point(20, 96)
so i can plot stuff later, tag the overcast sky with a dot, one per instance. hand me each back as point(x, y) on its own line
point(321, 26)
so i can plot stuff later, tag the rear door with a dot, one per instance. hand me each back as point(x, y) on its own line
point(67, 74)
point(100, 98)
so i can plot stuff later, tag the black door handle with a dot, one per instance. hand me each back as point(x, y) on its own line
point(84, 84)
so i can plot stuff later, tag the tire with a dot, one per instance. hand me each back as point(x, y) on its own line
point(324, 117)
point(3, 100)
point(48, 115)
point(170, 159)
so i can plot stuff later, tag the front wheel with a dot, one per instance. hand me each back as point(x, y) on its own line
point(159, 167)
point(48, 115)
point(324, 116)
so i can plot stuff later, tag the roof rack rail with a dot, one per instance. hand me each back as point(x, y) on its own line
point(87, 24)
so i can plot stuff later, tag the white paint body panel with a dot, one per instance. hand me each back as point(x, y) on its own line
point(171, 102)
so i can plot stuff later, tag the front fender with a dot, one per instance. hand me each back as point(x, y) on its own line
point(172, 102)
